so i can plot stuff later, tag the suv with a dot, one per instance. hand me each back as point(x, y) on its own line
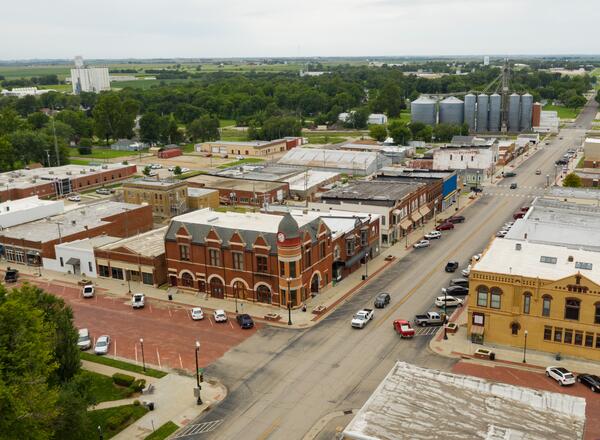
point(382, 300)
point(103, 191)
point(433, 235)
point(561, 375)
point(445, 226)
point(459, 282)
point(450, 301)
point(451, 266)
point(138, 300)
point(84, 342)
point(510, 174)
point(88, 291)
point(245, 320)
point(11, 276)
point(456, 290)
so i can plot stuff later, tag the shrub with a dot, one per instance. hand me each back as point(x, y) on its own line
point(124, 380)
point(84, 150)
point(137, 385)
point(136, 402)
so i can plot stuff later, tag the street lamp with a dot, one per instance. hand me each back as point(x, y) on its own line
point(100, 435)
point(128, 273)
point(199, 400)
point(525, 348)
point(236, 307)
point(289, 302)
point(143, 359)
point(445, 315)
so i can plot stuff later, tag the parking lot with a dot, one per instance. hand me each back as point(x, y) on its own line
point(168, 332)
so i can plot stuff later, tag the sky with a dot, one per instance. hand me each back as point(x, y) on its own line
point(291, 28)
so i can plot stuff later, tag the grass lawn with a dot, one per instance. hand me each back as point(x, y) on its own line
point(114, 420)
point(103, 389)
point(226, 122)
point(122, 365)
point(580, 163)
point(241, 209)
point(228, 134)
point(241, 162)
point(190, 174)
point(188, 148)
point(325, 139)
point(163, 432)
point(563, 112)
point(106, 153)
point(79, 161)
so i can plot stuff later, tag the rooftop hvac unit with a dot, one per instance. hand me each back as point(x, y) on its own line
point(73, 222)
point(104, 167)
point(50, 172)
point(82, 172)
point(69, 173)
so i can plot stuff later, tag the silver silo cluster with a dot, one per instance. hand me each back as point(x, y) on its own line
point(482, 113)
point(452, 111)
point(514, 112)
point(526, 111)
point(495, 112)
point(423, 110)
point(470, 101)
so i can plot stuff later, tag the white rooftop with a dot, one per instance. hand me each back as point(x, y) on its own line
point(338, 222)
point(308, 179)
point(592, 140)
point(421, 404)
point(25, 203)
point(199, 192)
point(89, 243)
point(324, 158)
point(148, 244)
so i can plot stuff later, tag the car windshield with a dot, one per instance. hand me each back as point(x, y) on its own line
point(101, 343)
point(87, 288)
point(358, 316)
point(404, 327)
point(83, 338)
point(568, 375)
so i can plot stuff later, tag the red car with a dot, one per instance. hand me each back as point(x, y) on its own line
point(403, 328)
point(445, 226)
point(518, 215)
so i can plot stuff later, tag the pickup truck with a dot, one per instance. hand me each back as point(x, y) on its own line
point(362, 317)
point(403, 328)
point(430, 318)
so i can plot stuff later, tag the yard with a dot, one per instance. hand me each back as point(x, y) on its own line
point(163, 432)
point(563, 112)
point(122, 365)
point(105, 153)
point(113, 420)
point(103, 389)
point(248, 160)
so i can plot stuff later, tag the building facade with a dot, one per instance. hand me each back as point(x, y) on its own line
point(168, 198)
point(90, 79)
point(199, 198)
point(251, 148)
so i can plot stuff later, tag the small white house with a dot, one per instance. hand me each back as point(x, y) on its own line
point(77, 257)
point(377, 119)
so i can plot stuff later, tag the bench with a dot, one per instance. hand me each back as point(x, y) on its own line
point(148, 390)
point(272, 317)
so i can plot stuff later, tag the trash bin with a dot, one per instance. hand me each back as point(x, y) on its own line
point(170, 297)
point(492, 356)
point(150, 406)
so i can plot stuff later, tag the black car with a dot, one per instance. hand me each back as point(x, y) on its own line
point(245, 320)
point(513, 186)
point(510, 174)
point(457, 291)
point(451, 266)
point(561, 162)
point(459, 282)
point(11, 276)
point(456, 219)
point(382, 300)
point(476, 189)
point(591, 381)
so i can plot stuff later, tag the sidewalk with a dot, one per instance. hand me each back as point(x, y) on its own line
point(173, 400)
point(459, 346)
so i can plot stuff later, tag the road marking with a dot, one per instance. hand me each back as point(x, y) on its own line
point(150, 304)
point(158, 356)
point(198, 428)
point(426, 331)
point(211, 323)
point(180, 363)
point(230, 324)
point(396, 306)
point(267, 432)
point(169, 309)
point(115, 347)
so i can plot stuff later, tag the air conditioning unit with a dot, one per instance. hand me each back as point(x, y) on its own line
point(50, 172)
point(69, 173)
point(104, 167)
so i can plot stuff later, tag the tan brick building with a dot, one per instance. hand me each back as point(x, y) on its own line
point(167, 198)
point(199, 198)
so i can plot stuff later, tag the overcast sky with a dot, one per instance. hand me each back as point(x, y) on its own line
point(272, 28)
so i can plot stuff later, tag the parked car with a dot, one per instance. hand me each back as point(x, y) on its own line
point(456, 219)
point(220, 315)
point(445, 226)
point(502, 233)
point(519, 214)
point(476, 189)
point(11, 276)
point(538, 172)
point(74, 198)
point(451, 266)
point(456, 290)
point(450, 301)
point(382, 299)
point(510, 174)
point(102, 344)
point(513, 185)
point(197, 314)
point(561, 375)
point(362, 318)
point(103, 191)
point(433, 235)
point(138, 300)
point(239, 157)
point(466, 271)
point(185, 170)
point(171, 169)
point(421, 244)
point(459, 282)
point(508, 225)
point(403, 328)
point(590, 380)
point(87, 291)
point(83, 341)
point(155, 166)
point(245, 320)
point(429, 318)
point(561, 162)
point(476, 257)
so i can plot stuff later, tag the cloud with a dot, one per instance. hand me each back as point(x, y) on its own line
point(238, 28)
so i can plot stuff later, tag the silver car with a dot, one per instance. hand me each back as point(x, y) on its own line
point(102, 345)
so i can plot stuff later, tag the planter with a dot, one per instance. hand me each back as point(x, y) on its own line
point(451, 328)
point(319, 310)
point(484, 353)
point(272, 317)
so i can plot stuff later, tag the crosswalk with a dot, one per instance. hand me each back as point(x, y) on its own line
point(198, 428)
point(426, 331)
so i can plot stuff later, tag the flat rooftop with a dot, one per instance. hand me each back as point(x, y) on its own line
point(149, 244)
point(154, 183)
point(324, 158)
point(247, 143)
point(259, 172)
point(26, 203)
point(592, 140)
point(232, 184)
point(373, 191)
point(199, 192)
point(409, 172)
point(310, 179)
point(422, 404)
point(71, 222)
point(89, 243)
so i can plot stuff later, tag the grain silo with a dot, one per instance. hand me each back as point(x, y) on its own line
point(470, 101)
point(423, 110)
point(514, 116)
point(482, 113)
point(495, 112)
point(526, 111)
point(452, 111)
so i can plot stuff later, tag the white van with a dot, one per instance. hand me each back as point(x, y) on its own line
point(84, 342)
point(138, 300)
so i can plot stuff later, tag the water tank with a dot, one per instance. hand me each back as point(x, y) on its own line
point(470, 101)
point(452, 111)
point(482, 113)
point(526, 111)
point(514, 116)
point(423, 110)
point(495, 112)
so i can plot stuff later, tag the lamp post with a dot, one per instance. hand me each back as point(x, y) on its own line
point(143, 359)
point(236, 307)
point(199, 400)
point(289, 301)
point(525, 348)
point(100, 435)
point(445, 315)
point(128, 274)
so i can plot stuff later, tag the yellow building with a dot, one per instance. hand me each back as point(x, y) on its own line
point(168, 198)
point(199, 198)
point(548, 292)
point(250, 148)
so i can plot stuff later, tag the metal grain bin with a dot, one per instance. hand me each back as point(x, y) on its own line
point(470, 101)
point(526, 111)
point(482, 113)
point(423, 110)
point(495, 112)
point(452, 111)
point(514, 112)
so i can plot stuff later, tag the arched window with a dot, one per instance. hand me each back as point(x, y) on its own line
point(515, 327)
point(263, 294)
point(495, 298)
point(239, 290)
point(597, 314)
point(482, 296)
point(526, 303)
point(546, 305)
point(336, 252)
point(187, 280)
point(216, 287)
point(572, 308)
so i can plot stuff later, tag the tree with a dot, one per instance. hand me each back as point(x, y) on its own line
point(203, 129)
point(390, 100)
point(572, 180)
point(177, 171)
point(445, 132)
point(37, 120)
point(378, 132)
point(170, 132)
point(358, 118)
point(151, 127)
point(10, 121)
point(26, 105)
point(82, 125)
point(114, 118)
point(400, 132)
point(147, 170)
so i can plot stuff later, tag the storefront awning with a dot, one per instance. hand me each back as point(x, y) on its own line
point(406, 223)
point(477, 330)
point(73, 261)
point(357, 257)
point(424, 210)
point(416, 216)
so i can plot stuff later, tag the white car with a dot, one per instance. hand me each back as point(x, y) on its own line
point(476, 257)
point(502, 233)
point(466, 271)
point(84, 342)
point(239, 157)
point(155, 166)
point(138, 300)
point(508, 225)
point(102, 344)
point(450, 301)
point(88, 291)
point(171, 169)
point(433, 235)
point(220, 315)
point(421, 244)
point(197, 314)
point(185, 170)
point(561, 375)
point(74, 198)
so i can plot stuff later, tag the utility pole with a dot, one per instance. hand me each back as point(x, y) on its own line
point(55, 141)
point(505, 88)
point(48, 155)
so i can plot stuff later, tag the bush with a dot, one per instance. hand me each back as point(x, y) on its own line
point(136, 402)
point(137, 385)
point(124, 380)
point(84, 150)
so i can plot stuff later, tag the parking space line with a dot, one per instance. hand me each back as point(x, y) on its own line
point(115, 347)
point(211, 323)
point(158, 356)
point(180, 363)
point(230, 324)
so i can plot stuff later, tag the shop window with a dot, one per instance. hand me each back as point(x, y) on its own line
point(589, 340)
point(187, 280)
point(363, 237)
point(568, 336)
point(292, 269)
point(578, 337)
point(117, 273)
point(103, 271)
point(546, 303)
point(147, 278)
point(527, 303)
point(572, 309)
point(547, 333)
point(262, 264)
point(495, 298)
point(482, 296)
point(557, 334)
point(281, 269)
point(214, 256)
point(597, 340)
point(350, 247)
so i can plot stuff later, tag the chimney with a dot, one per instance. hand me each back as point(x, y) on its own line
point(570, 259)
point(73, 222)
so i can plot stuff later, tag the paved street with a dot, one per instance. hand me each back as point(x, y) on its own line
point(283, 382)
